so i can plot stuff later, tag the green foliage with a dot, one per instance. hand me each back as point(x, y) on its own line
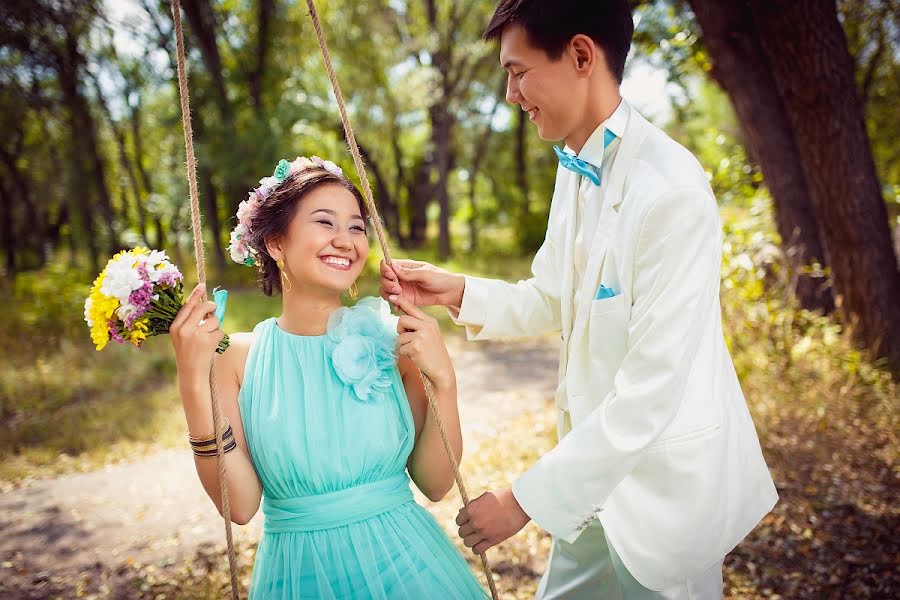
point(782, 352)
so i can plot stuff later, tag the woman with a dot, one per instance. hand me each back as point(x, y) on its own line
point(326, 408)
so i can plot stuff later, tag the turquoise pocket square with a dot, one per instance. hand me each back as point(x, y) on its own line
point(604, 292)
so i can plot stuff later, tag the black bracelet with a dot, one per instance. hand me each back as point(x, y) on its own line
point(231, 445)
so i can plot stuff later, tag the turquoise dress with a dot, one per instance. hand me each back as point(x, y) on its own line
point(329, 430)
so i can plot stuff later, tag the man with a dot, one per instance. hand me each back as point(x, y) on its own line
point(658, 472)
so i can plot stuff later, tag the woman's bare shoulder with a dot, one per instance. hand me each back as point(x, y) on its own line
point(234, 359)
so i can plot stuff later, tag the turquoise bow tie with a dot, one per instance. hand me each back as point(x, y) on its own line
point(582, 167)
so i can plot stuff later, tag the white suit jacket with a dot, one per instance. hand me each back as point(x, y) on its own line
point(655, 437)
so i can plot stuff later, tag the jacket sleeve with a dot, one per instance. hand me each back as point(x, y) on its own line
point(496, 309)
point(675, 286)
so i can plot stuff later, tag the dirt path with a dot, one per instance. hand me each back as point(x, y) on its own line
point(154, 511)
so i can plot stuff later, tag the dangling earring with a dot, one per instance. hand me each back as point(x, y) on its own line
point(354, 293)
point(284, 277)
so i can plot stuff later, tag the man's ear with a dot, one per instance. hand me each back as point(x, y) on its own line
point(584, 53)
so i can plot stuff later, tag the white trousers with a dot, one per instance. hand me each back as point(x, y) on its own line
point(590, 569)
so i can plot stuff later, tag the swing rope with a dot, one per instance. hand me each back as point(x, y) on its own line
point(379, 231)
point(218, 422)
point(201, 273)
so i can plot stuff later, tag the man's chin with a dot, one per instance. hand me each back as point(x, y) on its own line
point(549, 136)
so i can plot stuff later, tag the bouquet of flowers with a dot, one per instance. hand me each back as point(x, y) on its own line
point(137, 296)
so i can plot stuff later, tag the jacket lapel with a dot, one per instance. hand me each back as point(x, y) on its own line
point(567, 293)
point(569, 191)
point(630, 143)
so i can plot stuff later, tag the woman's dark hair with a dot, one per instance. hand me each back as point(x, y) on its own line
point(274, 215)
point(550, 24)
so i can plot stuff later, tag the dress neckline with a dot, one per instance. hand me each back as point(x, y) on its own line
point(296, 335)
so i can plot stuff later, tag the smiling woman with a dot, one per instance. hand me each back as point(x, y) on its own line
point(267, 229)
point(328, 416)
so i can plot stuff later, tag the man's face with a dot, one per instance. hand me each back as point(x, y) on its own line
point(550, 91)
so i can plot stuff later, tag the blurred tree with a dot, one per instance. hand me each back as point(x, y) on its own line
point(48, 37)
point(741, 67)
point(814, 74)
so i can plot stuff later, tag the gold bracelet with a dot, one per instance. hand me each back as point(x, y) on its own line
point(207, 438)
point(231, 445)
point(213, 443)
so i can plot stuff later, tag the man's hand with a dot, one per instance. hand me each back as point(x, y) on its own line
point(422, 283)
point(491, 518)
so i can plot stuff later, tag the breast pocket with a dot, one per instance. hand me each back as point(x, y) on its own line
point(608, 330)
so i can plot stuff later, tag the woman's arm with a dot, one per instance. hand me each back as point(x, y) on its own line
point(194, 351)
point(421, 347)
point(428, 463)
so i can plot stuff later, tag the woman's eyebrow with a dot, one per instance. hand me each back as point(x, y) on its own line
point(334, 214)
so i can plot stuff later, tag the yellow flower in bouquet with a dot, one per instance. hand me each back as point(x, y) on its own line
point(137, 296)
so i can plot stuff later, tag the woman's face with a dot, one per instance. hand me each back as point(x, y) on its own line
point(326, 245)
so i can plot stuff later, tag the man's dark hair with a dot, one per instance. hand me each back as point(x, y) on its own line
point(550, 24)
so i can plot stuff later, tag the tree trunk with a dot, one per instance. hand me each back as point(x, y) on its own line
point(814, 75)
point(19, 192)
point(202, 19)
point(741, 67)
point(137, 140)
point(442, 142)
point(386, 204)
point(265, 12)
point(481, 148)
point(420, 191)
point(8, 229)
point(203, 25)
point(209, 195)
point(84, 138)
point(125, 163)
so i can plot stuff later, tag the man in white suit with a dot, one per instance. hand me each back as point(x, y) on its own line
point(658, 472)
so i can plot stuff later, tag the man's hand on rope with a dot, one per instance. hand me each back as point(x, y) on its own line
point(490, 519)
point(422, 283)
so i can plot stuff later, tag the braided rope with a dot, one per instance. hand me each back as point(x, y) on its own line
point(201, 275)
point(379, 231)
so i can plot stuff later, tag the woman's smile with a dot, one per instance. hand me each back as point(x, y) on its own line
point(341, 263)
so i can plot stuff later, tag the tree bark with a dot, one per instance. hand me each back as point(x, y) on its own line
point(8, 229)
point(265, 12)
point(383, 197)
point(814, 75)
point(419, 192)
point(125, 163)
point(442, 123)
point(208, 196)
point(19, 194)
point(137, 140)
point(481, 149)
point(203, 25)
point(69, 63)
point(741, 67)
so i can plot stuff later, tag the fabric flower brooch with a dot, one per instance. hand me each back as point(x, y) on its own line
point(364, 347)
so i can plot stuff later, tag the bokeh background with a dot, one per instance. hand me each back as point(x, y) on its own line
point(791, 107)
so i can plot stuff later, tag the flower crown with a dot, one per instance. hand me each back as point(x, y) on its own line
point(239, 248)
